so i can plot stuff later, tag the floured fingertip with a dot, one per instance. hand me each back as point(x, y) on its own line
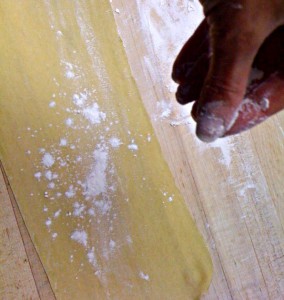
point(210, 128)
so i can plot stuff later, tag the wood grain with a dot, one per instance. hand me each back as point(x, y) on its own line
point(41, 280)
point(16, 278)
point(238, 207)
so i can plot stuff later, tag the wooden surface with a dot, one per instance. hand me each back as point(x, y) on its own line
point(22, 275)
point(238, 203)
point(234, 188)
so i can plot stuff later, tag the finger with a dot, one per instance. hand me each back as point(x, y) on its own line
point(271, 53)
point(235, 41)
point(190, 53)
point(264, 101)
point(190, 91)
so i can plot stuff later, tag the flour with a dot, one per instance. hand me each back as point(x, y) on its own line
point(144, 276)
point(63, 142)
point(264, 104)
point(70, 193)
point(80, 99)
point(104, 206)
point(52, 104)
point(48, 160)
point(48, 222)
point(226, 146)
point(57, 213)
point(54, 235)
point(93, 114)
point(112, 245)
point(115, 142)
point(164, 108)
point(38, 175)
point(80, 236)
point(92, 257)
point(255, 75)
point(78, 209)
point(48, 175)
point(69, 122)
point(96, 181)
point(133, 147)
point(69, 69)
point(91, 212)
point(51, 185)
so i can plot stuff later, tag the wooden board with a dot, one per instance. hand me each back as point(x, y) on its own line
point(16, 279)
point(10, 273)
point(233, 187)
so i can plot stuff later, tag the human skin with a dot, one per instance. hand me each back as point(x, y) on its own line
point(214, 66)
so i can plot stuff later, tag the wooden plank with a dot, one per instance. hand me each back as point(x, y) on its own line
point(41, 280)
point(234, 187)
point(16, 278)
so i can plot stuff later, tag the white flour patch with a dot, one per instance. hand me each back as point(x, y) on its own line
point(63, 142)
point(112, 245)
point(78, 209)
point(245, 188)
point(255, 74)
point(70, 193)
point(164, 109)
point(52, 104)
point(104, 206)
point(48, 160)
point(38, 175)
point(115, 142)
point(167, 26)
point(144, 276)
point(264, 104)
point(96, 181)
point(57, 213)
point(91, 212)
point(80, 236)
point(92, 257)
point(69, 122)
point(69, 69)
point(93, 114)
point(80, 99)
point(51, 185)
point(54, 235)
point(133, 147)
point(225, 145)
point(48, 175)
point(48, 222)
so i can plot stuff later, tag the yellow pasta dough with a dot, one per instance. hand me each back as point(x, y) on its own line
point(96, 195)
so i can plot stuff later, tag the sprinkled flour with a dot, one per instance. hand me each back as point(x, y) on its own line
point(48, 160)
point(96, 181)
point(93, 114)
point(80, 236)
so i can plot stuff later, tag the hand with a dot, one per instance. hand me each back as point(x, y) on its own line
point(214, 65)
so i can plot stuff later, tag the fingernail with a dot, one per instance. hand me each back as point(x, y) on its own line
point(210, 128)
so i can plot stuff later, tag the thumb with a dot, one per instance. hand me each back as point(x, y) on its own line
point(234, 41)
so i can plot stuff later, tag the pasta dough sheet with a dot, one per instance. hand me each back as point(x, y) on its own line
point(87, 171)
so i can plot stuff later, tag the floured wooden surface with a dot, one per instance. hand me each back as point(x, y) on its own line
point(83, 161)
point(233, 187)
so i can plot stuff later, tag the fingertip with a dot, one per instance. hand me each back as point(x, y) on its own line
point(210, 128)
